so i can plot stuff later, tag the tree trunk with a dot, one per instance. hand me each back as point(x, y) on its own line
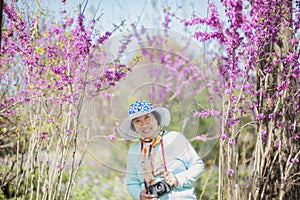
point(1, 14)
point(276, 174)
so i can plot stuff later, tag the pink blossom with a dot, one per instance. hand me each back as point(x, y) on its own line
point(292, 127)
point(230, 172)
point(283, 85)
point(260, 116)
point(232, 141)
point(292, 57)
point(111, 137)
point(10, 112)
point(264, 135)
point(59, 167)
point(70, 21)
point(280, 123)
point(271, 116)
point(227, 91)
point(233, 98)
point(224, 136)
point(277, 144)
point(206, 113)
point(50, 119)
point(293, 41)
point(104, 37)
point(294, 160)
point(166, 22)
point(201, 137)
point(295, 137)
point(185, 22)
point(42, 137)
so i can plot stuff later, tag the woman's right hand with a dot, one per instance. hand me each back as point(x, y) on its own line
point(144, 195)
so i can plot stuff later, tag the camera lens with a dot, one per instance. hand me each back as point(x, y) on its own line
point(159, 187)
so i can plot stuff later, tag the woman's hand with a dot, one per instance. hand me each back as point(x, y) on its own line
point(170, 178)
point(144, 195)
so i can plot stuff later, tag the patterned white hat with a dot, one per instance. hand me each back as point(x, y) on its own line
point(137, 109)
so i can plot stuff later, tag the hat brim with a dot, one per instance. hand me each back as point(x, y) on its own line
point(125, 128)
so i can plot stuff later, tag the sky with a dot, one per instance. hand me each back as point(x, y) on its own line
point(148, 13)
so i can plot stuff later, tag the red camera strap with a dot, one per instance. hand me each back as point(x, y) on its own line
point(163, 154)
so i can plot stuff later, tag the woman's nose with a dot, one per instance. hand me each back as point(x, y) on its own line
point(144, 123)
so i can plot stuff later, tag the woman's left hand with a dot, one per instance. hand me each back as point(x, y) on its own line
point(170, 178)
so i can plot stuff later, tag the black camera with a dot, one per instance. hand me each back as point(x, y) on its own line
point(159, 188)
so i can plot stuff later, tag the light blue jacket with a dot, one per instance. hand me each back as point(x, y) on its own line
point(182, 160)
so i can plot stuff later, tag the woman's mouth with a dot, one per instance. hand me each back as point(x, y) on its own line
point(147, 130)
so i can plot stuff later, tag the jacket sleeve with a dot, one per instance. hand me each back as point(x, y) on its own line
point(193, 163)
point(134, 185)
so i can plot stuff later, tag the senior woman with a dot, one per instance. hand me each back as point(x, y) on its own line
point(161, 164)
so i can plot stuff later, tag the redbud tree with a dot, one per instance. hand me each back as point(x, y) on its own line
point(48, 69)
point(258, 61)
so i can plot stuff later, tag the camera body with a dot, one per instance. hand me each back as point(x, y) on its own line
point(159, 188)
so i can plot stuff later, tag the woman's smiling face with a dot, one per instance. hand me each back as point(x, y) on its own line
point(146, 126)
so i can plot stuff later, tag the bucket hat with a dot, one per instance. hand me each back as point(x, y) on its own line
point(137, 109)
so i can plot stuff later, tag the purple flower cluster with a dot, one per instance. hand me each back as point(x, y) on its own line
point(167, 21)
point(53, 62)
point(246, 36)
point(62, 59)
point(43, 135)
point(111, 137)
point(232, 141)
point(201, 137)
point(182, 72)
point(224, 136)
point(206, 113)
point(104, 37)
point(230, 172)
point(112, 75)
point(294, 160)
point(213, 21)
point(260, 116)
point(264, 135)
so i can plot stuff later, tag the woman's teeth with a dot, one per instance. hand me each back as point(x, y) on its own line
point(147, 130)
